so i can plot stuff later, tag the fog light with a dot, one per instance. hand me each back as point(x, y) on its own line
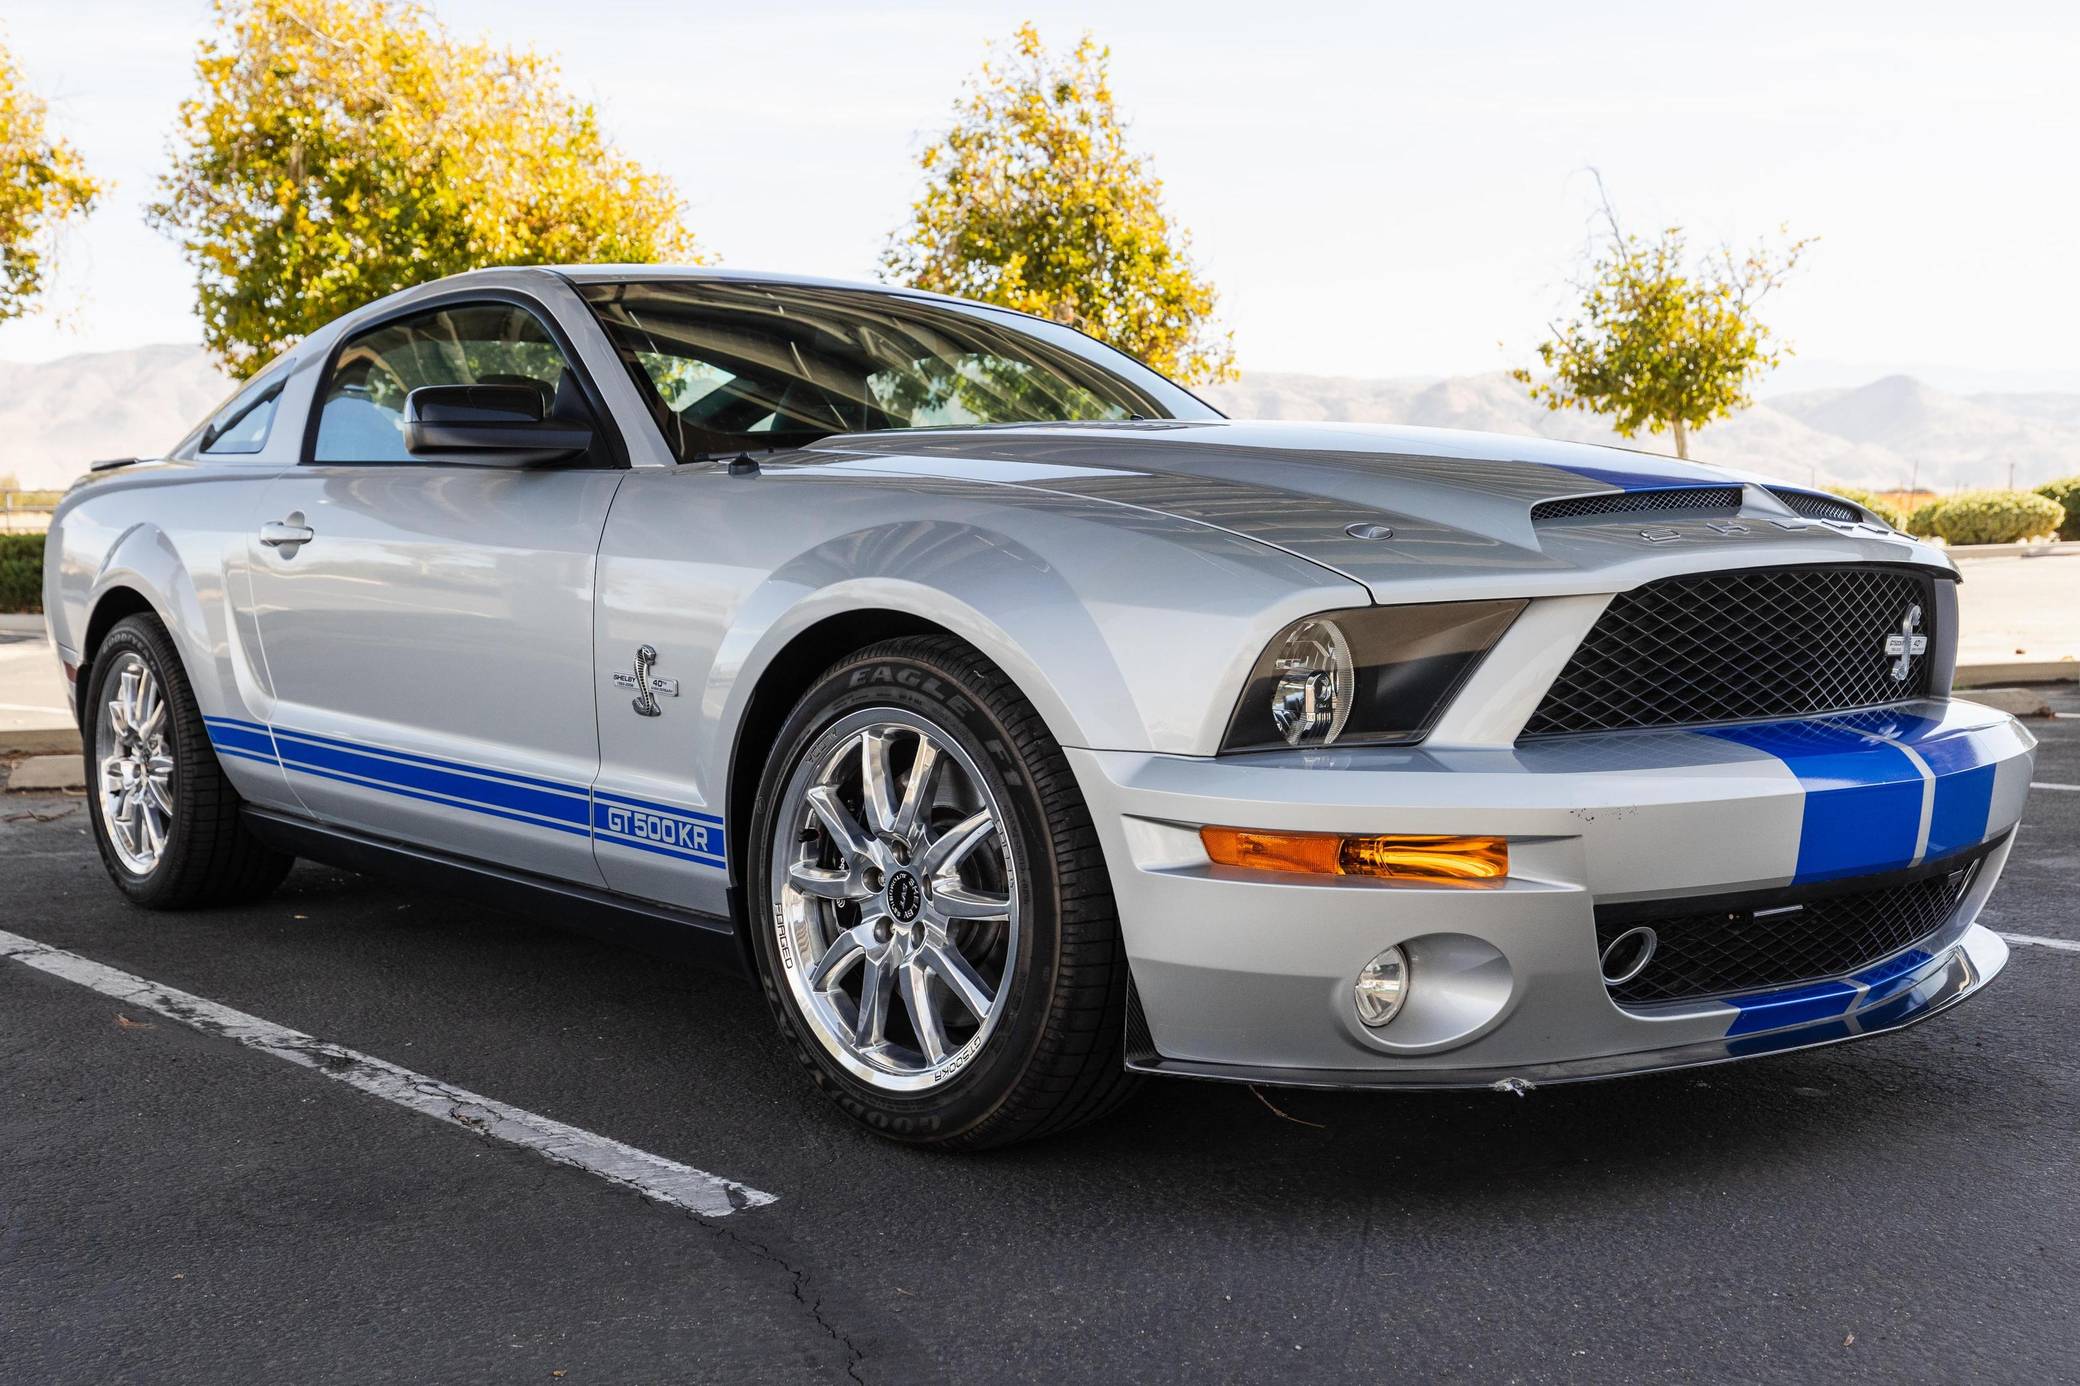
point(1382, 987)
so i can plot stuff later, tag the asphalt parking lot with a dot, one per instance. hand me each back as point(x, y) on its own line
point(175, 1206)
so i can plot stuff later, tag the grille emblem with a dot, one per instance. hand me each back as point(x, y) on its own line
point(1908, 644)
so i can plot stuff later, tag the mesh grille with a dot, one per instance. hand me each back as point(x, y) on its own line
point(1726, 498)
point(1726, 952)
point(1737, 646)
point(1817, 507)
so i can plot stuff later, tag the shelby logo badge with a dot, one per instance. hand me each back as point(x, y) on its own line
point(648, 689)
point(1907, 645)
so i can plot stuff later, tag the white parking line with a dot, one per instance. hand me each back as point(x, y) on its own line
point(2070, 788)
point(2064, 945)
point(654, 1177)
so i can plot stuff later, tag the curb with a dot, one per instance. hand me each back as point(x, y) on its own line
point(40, 741)
point(2055, 547)
point(2028, 671)
point(21, 623)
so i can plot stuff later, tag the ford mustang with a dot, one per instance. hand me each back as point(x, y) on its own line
point(1020, 723)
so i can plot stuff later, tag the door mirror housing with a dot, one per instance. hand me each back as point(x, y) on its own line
point(488, 426)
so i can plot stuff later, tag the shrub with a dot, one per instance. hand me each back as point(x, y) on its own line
point(1873, 502)
point(2066, 491)
point(1987, 517)
point(21, 572)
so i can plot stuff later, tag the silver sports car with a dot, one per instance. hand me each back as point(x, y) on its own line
point(1020, 723)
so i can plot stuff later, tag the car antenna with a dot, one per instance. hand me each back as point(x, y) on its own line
point(743, 464)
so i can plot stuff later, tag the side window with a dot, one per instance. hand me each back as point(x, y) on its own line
point(241, 427)
point(361, 418)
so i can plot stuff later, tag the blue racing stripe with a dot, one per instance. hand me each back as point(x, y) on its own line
point(1644, 481)
point(563, 804)
point(1773, 1010)
point(608, 796)
point(242, 740)
point(1862, 811)
point(458, 765)
point(577, 829)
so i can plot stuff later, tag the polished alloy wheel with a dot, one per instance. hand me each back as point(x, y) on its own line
point(894, 899)
point(136, 766)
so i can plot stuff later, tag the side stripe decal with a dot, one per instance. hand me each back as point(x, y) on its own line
point(610, 819)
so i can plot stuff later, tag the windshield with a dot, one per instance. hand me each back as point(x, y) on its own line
point(733, 366)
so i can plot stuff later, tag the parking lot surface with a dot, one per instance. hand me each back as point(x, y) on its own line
point(177, 1206)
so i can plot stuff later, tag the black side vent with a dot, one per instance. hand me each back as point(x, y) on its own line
point(1815, 507)
point(1718, 499)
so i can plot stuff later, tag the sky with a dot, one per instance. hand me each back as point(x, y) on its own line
point(1376, 190)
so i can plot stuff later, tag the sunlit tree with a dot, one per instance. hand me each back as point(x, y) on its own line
point(1033, 200)
point(342, 149)
point(1664, 341)
point(43, 185)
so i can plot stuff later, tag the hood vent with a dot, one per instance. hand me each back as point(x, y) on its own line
point(1726, 499)
point(1816, 507)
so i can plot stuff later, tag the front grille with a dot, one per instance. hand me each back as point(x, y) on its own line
point(1769, 945)
point(1816, 507)
point(1739, 646)
point(1725, 499)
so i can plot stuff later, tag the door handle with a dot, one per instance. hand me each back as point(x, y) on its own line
point(278, 533)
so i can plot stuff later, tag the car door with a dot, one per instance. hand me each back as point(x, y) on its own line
point(427, 626)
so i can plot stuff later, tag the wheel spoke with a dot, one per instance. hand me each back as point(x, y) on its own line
point(837, 821)
point(877, 783)
point(946, 854)
point(958, 902)
point(924, 1015)
point(875, 989)
point(918, 790)
point(825, 884)
point(845, 950)
point(961, 979)
point(152, 828)
point(158, 794)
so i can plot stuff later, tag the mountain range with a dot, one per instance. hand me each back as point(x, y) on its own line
point(1893, 433)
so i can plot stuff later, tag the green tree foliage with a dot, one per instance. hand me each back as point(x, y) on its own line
point(21, 572)
point(1663, 341)
point(1034, 201)
point(1987, 517)
point(2065, 491)
point(340, 150)
point(43, 185)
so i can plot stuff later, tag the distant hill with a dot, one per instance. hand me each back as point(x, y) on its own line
point(57, 416)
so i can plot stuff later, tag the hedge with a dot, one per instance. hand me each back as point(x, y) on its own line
point(1987, 517)
point(1871, 501)
point(2066, 491)
point(21, 572)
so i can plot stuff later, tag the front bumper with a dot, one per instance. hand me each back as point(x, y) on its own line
point(1244, 975)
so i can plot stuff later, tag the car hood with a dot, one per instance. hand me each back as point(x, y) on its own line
point(1458, 504)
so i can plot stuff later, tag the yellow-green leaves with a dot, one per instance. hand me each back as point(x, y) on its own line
point(1662, 342)
point(339, 150)
point(1033, 201)
point(42, 186)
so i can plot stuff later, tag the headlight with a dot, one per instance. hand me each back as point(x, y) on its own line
point(1375, 674)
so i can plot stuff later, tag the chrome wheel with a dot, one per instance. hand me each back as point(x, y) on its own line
point(895, 900)
point(136, 779)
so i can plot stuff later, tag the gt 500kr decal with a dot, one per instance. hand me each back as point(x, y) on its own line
point(613, 819)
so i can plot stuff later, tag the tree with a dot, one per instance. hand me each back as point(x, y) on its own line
point(1662, 342)
point(343, 149)
point(1034, 201)
point(43, 185)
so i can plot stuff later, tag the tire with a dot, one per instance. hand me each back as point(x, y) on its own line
point(1016, 909)
point(178, 843)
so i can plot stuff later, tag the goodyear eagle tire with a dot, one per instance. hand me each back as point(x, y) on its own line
point(164, 817)
point(933, 923)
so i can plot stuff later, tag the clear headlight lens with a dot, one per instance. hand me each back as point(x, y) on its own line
point(1312, 698)
point(1377, 674)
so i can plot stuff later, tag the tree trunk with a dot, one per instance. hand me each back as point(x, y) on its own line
point(1682, 439)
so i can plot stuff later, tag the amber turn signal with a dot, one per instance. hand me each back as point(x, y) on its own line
point(1437, 860)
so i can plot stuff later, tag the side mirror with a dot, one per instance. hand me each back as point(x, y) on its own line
point(488, 426)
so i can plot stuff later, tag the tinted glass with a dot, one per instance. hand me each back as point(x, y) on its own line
point(362, 418)
point(731, 366)
point(242, 425)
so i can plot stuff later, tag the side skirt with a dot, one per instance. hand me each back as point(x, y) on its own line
point(661, 930)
